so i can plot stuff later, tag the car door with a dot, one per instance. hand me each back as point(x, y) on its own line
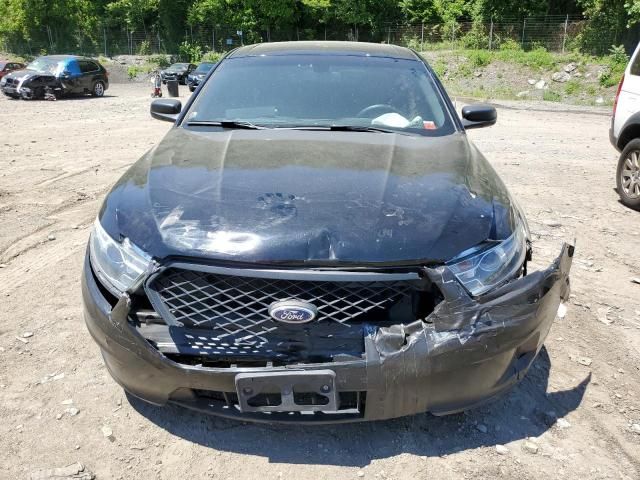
point(89, 70)
point(70, 76)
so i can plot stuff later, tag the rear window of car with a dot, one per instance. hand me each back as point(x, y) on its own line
point(88, 66)
point(204, 67)
point(635, 65)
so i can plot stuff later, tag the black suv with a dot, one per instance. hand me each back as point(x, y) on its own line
point(57, 75)
point(316, 239)
point(177, 71)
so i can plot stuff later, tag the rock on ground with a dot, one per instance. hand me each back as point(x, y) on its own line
point(75, 471)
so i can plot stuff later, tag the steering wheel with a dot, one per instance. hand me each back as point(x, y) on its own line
point(373, 111)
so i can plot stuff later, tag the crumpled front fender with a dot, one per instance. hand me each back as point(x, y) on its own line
point(469, 349)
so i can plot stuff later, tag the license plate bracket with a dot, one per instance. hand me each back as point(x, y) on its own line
point(296, 391)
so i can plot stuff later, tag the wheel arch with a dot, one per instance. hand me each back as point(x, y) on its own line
point(630, 130)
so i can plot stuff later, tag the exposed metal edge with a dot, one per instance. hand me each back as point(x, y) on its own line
point(298, 274)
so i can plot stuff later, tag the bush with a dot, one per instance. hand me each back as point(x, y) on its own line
point(144, 48)
point(618, 55)
point(190, 52)
point(161, 61)
point(572, 87)
point(616, 63)
point(510, 45)
point(133, 71)
point(476, 37)
point(211, 57)
point(480, 58)
point(413, 43)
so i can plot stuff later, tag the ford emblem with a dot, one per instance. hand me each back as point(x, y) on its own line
point(293, 311)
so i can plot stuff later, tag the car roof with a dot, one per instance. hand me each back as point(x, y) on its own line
point(325, 48)
point(66, 57)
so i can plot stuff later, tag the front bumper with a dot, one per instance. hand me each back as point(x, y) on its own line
point(466, 353)
point(612, 138)
point(11, 91)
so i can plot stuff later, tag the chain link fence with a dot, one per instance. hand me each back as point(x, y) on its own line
point(555, 33)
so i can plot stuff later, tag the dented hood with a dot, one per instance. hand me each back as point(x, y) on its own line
point(309, 197)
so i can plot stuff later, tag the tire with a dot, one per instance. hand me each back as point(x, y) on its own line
point(192, 89)
point(628, 175)
point(98, 89)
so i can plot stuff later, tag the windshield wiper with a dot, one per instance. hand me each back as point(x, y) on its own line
point(225, 124)
point(358, 128)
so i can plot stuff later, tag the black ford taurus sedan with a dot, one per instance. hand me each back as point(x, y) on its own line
point(316, 239)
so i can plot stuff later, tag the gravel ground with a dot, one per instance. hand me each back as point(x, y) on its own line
point(572, 417)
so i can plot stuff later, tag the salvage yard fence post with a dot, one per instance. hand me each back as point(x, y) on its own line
point(564, 37)
point(491, 34)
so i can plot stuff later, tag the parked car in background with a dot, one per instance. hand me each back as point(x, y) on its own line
point(57, 75)
point(7, 67)
point(195, 77)
point(177, 71)
point(317, 239)
point(624, 133)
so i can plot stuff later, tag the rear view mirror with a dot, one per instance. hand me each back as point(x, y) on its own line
point(478, 116)
point(166, 109)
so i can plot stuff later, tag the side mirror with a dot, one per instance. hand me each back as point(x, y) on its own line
point(166, 109)
point(478, 116)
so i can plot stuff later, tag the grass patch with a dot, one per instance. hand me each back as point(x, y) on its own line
point(440, 67)
point(551, 96)
point(572, 87)
point(538, 58)
point(480, 58)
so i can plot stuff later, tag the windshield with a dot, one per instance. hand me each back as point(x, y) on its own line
point(324, 91)
point(178, 67)
point(47, 65)
point(204, 67)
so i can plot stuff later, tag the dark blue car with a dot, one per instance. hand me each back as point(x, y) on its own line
point(57, 75)
point(198, 75)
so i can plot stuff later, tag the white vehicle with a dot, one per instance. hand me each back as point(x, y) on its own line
point(625, 133)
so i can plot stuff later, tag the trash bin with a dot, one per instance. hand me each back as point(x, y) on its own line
point(172, 87)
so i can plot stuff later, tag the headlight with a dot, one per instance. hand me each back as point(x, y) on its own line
point(481, 271)
point(117, 265)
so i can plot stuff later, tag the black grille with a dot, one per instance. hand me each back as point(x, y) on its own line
point(237, 306)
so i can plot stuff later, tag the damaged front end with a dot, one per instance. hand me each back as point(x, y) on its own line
point(415, 341)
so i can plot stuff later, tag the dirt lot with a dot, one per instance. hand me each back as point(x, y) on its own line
point(58, 159)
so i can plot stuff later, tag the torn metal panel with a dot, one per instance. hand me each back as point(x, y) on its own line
point(488, 344)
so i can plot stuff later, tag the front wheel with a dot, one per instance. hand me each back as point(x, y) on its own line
point(192, 89)
point(98, 89)
point(628, 175)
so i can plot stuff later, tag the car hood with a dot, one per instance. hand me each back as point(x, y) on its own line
point(25, 74)
point(309, 197)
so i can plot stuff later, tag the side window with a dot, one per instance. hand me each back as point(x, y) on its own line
point(635, 66)
point(72, 67)
point(87, 66)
